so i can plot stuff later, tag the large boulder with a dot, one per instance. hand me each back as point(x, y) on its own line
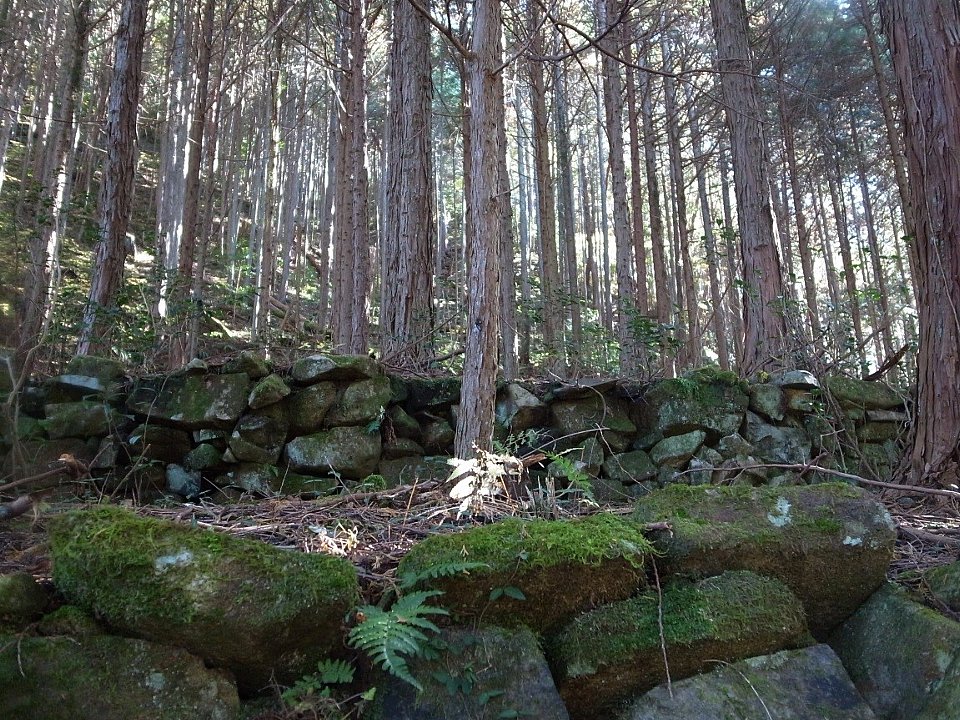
point(308, 407)
point(259, 436)
point(519, 409)
point(616, 651)
point(315, 368)
point(573, 417)
point(101, 677)
point(537, 573)
point(777, 444)
point(489, 672)
point(431, 393)
point(153, 442)
point(806, 684)
point(863, 394)
point(22, 600)
point(413, 469)
point(191, 401)
point(262, 612)
point(944, 583)
point(830, 544)
point(709, 400)
point(348, 451)
point(903, 657)
point(106, 370)
point(362, 402)
point(81, 419)
point(271, 389)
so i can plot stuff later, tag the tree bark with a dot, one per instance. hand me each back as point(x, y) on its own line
point(923, 37)
point(765, 327)
point(116, 188)
point(479, 388)
point(408, 240)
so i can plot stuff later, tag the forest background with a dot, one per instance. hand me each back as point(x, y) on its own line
point(517, 188)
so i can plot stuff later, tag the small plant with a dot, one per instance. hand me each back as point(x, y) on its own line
point(573, 472)
point(311, 690)
point(392, 636)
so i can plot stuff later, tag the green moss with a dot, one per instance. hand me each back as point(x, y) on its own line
point(69, 620)
point(144, 554)
point(535, 543)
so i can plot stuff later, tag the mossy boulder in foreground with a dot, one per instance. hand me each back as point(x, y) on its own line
point(616, 651)
point(903, 657)
point(535, 572)
point(830, 544)
point(240, 604)
point(807, 684)
point(101, 677)
point(22, 600)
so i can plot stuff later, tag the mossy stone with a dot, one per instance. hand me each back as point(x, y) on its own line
point(202, 457)
point(82, 419)
point(431, 393)
point(589, 413)
point(519, 409)
point(561, 567)
point(437, 437)
point(259, 436)
point(400, 447)
point(863, 394)
point(830, 544)
point(350, 451)
point(271, 389)
point(154, 442)
point(71, 621)
point(402, 424)
point(308, 407)
point(709, 400)
point(362, 402)
point(106, 370)
point(191, 401)
point(315, 368)
point(608, 654)
point(877, 432)
point(101, 677)
point(944, 582)
point(258, 610)
point(676, 450)
point(22, 600)
point(249, 363)
point(411, 469)
point(768, 400)
point(635, 466)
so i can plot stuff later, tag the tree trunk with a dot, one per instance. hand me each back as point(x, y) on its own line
point(765, 327)
point(479, 388)
point(923, 39)
point(408, 244)
point(565, 209)
point(116, 188)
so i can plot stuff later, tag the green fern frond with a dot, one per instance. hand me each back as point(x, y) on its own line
point(410, 579)
point(389, 635)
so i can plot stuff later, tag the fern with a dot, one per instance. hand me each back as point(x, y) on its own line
point(389, 637)
point(316, 686)
point(410, 579)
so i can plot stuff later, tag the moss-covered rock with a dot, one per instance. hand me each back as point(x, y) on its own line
point(154, 442)
point(402, 424)
point(608, 654)
point(830, 544)
point(489, 672)
point(109, 678)
point(519, 409)
point(106, 370)
point(431, 393)
point(862, 394)
point(71, 388)
point(768, 400)
point(400, 447)
point(191, 401)
point(259, 436)
point(560, 567)
point(203, 457)
point(271, 389)
point(260, 611)
point(878, 432)
point(635, 466)
point(82, 419)
point(437, 437)
point(350, 451)
point(775, 443)
point(71, 621)
point(248, 362)
point(709, 400)
point(807, 684)
point(315, 368)
point(308, 407)
point(674, 451)
point(362, 402)
point(903, 657)
point(944, 582)
point(22, 600)
point(593, 411)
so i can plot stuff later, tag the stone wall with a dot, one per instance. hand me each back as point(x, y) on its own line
point(329, 421)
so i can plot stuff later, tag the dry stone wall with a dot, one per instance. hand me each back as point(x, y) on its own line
point(340, 421)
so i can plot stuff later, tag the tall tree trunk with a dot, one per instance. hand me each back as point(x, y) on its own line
point(653, 201)
point(116, 187)
point(636, 185)
point(613, 107)
point(765, 327)
point(926, 57)
point(846, 257)
point(407, 257)
point(479, 388)
point(44, 246)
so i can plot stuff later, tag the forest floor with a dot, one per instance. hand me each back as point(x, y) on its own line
point(374, 530)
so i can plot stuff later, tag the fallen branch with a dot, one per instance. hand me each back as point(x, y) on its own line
point(16, 507)
point(927, 536)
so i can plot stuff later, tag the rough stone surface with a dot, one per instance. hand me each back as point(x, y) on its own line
point(403, 425)
point(247, 362)
point(519, 409)
point(635, 466)
point(776, 444)
point(437, 437)
point(830, 544)
point(106, 370)
point(616, 651)
point(102, 677)
point(241, 604)
point(712, 401)
point(269, 390)
point(154, 442)
point(863, 394)
point(876, 432)
point(561, 567)
point(799, 379)
point(191, 401)
point(676, 450)
point(202, 457)
point(575, 416)
point(490, 672)
point(768, 400)
point(361, 403)
point(410, 469)
point(22, 600)
point(944, 582)
point(307, 408)
point(82, 419)
point(431, 393)
point(903, 657)
point(807, 684)
point(400, 447)
point(315, 368)
point(259, 436)
point(183, 482)
point(350, 451)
